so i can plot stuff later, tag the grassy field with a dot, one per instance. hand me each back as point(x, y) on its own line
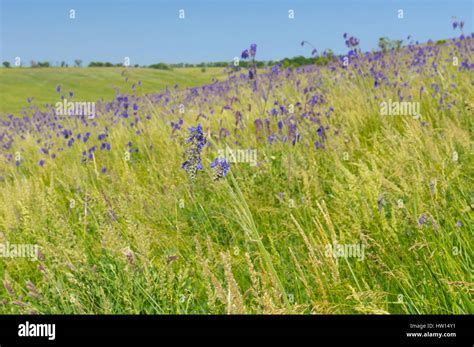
point(126, 230)
point(17, 85)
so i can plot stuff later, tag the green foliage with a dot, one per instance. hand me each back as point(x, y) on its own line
point(35, 64)
point(141, 240)
point(386, 44)
point(100, 64)
point(160, 66)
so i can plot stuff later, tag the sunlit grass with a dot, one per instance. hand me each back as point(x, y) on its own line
point(91, 84)
point(142, 239)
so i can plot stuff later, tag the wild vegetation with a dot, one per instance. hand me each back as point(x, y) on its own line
point(135, 210)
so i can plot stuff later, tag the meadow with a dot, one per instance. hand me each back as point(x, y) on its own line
point(346, 209)
point(17, 85)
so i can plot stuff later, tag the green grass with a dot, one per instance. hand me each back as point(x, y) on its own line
point(110, 241)
point(91, 84)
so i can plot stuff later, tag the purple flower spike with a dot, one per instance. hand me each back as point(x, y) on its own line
point(253, 49)
point(220, 168)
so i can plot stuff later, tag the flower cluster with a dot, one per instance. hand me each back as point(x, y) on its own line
point(219, 168)
point(457, 24)
point(351, 41)
point(251, 53)
point(194, 143)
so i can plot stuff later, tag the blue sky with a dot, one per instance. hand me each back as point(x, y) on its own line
point(150, 31)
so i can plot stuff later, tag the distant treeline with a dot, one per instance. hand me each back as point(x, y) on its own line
point(104, 64)
point(384, 44)
point(287, 62)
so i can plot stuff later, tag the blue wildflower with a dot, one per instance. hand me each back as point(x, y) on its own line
point(271, 138)
point(276, 69)
point(67, 133)
point(194, 143)
point(253, 49)
point(422, 220)
point(321, 132)
point(318, 145)
point(196, 137)
point(251, 74)
point(220, 168)
point(280, 125)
